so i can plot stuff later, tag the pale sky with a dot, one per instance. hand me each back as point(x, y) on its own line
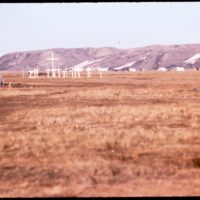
point(34, 26)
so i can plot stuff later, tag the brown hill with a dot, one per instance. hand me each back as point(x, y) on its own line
point(148, 57)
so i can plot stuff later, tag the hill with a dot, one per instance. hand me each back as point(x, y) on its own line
point(148, 57)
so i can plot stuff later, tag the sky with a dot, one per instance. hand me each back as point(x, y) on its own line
point(35, 26)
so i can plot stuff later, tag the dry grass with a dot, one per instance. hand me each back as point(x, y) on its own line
point(128, 134)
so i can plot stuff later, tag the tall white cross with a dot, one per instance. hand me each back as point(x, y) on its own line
point(52, 64)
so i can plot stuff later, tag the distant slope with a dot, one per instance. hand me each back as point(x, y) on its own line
point(149, 57)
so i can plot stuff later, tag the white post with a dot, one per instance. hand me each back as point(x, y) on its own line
point(79, 75)
point(100, 74)
point(36, 73)
point(48, 73)
point(53, 73)
point(66, 70)
point(88, 72)
point(72, 73)
point(58, 70)
point(23, 72)
point(64, 73)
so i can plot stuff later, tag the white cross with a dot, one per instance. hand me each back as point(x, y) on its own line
point(33, 73)
point(52, 64)
point(64, 72)
point(88, 69)
point(76, 71)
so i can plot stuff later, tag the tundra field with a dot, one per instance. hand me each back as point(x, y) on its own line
point(127, 134)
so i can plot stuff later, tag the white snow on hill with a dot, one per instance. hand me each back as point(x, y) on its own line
point(193, 59)
point(85, 63)
point(125, 65)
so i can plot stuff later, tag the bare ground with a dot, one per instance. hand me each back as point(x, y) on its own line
point(127, 134)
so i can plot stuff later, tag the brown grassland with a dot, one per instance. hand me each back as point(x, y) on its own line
point(127, 134)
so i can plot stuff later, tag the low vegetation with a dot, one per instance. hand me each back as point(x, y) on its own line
point(127, 134)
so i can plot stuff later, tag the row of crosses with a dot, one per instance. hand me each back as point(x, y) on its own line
point(56, 71)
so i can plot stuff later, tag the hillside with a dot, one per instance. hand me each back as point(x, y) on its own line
point(148, 57)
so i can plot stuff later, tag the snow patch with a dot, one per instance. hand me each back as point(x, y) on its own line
point(125, 65)
point(193, 59)
point(85, 63)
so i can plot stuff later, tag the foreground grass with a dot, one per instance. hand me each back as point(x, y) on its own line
point(128, 134)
